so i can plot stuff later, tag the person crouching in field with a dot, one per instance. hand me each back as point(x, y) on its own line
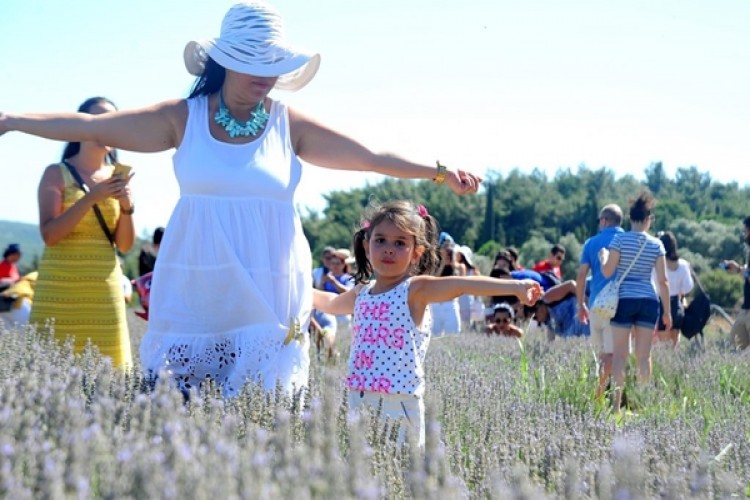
point(557, 310)
point(501, 322)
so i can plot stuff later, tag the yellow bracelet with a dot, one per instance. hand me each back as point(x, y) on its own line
point(440, 177)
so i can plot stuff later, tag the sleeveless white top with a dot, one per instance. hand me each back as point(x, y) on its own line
point(234, 265)
point(388, 349)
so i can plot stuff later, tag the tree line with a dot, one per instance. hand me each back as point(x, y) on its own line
point(533, 211)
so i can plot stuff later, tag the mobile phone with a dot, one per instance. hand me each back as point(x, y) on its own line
point(723, 265)
point(122, 170)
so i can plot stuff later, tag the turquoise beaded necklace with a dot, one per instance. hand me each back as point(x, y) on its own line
point(235, 127)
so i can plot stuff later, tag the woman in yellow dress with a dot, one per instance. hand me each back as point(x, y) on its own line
point(78, 288)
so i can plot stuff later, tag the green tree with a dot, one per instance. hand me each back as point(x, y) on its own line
point(657, 180)
point(693, 186)
point(488, 228)
point(573, 249)
point(725, 289)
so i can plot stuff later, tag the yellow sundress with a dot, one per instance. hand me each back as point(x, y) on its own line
point(79, 283)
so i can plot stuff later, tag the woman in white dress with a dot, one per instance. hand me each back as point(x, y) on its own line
point(234, 229)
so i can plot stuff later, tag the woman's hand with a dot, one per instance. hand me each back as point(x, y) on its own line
point(462, 182)
point(126, 198)
point(666, 318)
point(114, 187)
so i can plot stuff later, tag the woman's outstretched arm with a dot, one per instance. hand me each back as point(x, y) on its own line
point(146, 130)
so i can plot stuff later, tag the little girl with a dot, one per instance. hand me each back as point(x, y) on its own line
point(501, 321)
point(391, 323)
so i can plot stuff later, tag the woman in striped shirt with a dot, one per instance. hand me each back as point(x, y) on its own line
point(638, 306)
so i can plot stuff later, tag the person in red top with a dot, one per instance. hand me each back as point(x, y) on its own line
point(553, 262)
point(8, 271)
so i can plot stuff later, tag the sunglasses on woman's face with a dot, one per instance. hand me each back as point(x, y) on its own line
point(335, 262)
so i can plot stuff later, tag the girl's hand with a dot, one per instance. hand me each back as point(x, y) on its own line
point(529, 292)
point(462, 182)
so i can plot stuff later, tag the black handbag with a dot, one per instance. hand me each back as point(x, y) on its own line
point(697, 312)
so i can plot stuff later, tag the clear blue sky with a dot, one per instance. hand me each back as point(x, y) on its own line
point(480, 84)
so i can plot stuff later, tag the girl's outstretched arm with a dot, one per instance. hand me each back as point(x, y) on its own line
point(331, 303)
point(430, 289)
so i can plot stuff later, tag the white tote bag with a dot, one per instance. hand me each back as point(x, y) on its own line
point(605, 304)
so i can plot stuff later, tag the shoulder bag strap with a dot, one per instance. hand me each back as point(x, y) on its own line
point(97, 211)
point(622, 278)
point(697, 281)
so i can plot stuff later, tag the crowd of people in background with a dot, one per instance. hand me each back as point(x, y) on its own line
point(652, 297)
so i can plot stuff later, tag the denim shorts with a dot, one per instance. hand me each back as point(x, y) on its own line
point(678, 313)
point(638, 312)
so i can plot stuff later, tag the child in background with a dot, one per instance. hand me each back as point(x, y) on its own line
point(501, 321)
point(391, 323)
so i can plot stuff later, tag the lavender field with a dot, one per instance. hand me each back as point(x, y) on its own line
point(504, 421)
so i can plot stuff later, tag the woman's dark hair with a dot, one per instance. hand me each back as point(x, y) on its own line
point(641, 207)
point(669, 241)
point(72, 148)
point(210, 80)
point(513, 252)
point(407, 217)
point(506, 256)
point(496, 272)
point(506, 308)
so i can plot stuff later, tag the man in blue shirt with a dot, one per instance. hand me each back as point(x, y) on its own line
point(610, 222)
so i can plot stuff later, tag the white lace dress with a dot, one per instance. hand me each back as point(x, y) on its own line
point(234, 265)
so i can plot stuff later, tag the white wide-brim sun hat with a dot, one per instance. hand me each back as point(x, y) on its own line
point(467, 253)
point(252, 42)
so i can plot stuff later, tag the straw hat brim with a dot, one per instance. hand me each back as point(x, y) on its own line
point(294, 69)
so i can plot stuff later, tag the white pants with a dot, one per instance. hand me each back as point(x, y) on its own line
point(601, 334)
point(404, 407)
point(446, 319)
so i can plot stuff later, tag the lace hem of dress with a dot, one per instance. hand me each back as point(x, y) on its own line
point(229, 360)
